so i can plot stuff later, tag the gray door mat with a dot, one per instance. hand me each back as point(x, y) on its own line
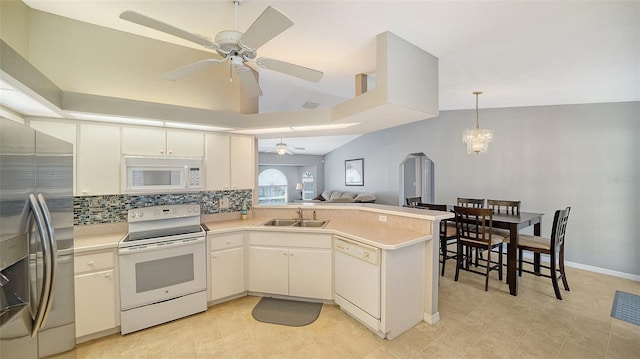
point(292, 313)
point(626, 306)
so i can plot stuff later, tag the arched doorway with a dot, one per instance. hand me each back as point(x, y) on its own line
point(416, 178)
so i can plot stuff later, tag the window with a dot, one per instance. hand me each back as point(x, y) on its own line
point(272, 187)
point(308, 190)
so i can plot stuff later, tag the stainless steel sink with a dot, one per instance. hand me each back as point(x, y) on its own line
point(310, 223)
point(280, 222)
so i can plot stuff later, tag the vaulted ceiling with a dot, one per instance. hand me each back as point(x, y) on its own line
point(520, 53)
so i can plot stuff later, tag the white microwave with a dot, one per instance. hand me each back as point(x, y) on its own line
point(162, 174)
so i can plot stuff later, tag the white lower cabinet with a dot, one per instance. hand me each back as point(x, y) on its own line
point(96, 292)
point(227, 264)
point(269, 270)
point(310, 273)
point(294, 264)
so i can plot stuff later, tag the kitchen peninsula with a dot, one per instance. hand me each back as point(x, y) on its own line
point(403, 237)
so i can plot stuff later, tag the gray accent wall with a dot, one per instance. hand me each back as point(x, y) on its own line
point(549, 157)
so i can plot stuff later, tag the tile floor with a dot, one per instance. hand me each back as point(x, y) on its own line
point(474, 324)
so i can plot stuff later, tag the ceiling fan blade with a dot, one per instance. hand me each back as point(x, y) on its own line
point(144, 20)
point(267, 26)
point(191, 68)
point(290, 69)
point(297, 148)
point(249, 81)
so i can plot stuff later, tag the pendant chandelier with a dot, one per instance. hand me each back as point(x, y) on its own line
point(477, 139)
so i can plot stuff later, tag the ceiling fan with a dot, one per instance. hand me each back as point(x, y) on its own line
point(282, 149)
point(238, 48)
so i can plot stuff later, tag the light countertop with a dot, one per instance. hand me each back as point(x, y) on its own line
point(378, 235)
point(95, 242)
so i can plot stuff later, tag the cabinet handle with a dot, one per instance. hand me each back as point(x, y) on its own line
point(228, 242)
point(214, 257)
point(90, 263)
point(170, 152)
point(107, 275)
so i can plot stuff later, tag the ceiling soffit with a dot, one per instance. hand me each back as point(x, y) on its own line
point(397, 98)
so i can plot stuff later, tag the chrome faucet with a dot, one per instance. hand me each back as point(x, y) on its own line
point(314, 216)
point(299, 212)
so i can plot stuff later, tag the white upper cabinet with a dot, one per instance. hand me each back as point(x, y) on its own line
point(230, 162)
point(218, 159)
point(160, 142)
point(242, 162)
point(98, 160)
point(185, 143)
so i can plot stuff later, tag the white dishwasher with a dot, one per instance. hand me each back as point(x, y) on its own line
point(357, 280)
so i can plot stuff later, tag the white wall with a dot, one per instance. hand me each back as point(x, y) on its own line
point(549, 157)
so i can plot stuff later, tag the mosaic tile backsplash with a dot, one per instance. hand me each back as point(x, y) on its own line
point(113, 208)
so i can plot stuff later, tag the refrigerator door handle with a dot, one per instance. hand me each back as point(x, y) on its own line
point(53, 254)
point(46, 270)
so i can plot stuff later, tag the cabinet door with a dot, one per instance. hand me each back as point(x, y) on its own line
point(242, 162)
point(269, 270)
point(95, 297)
point(227, 273)
point(183, 143)
point(218, 161)
point(144, 141)
point(310, 273)
point(98, 160)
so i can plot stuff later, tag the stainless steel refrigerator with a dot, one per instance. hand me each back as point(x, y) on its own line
point(37, 308)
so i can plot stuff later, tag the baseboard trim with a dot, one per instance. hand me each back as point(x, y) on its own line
point(432, 319)
point(613, 273)
point(610, 272)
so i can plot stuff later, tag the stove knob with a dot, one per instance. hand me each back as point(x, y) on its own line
point(141, 214)
point(133, 214)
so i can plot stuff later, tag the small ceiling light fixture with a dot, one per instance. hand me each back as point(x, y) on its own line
point(310, 105)
point(281, 148)
point(477, 139)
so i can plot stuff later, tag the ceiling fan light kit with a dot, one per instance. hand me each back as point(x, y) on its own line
point(282, 149)
point(234, 46)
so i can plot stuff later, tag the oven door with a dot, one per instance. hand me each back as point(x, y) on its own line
point(161, 271)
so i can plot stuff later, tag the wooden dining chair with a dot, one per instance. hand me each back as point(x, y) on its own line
point(471, 202)
point(554, 247)
point(413, 201)
point(447, 234)
point(473, 230)
point(503, 207)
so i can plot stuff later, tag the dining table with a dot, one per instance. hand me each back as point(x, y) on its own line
point(514, 223)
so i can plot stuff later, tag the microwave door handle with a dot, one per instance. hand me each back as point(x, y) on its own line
point(46, 258)
point(53, 254)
